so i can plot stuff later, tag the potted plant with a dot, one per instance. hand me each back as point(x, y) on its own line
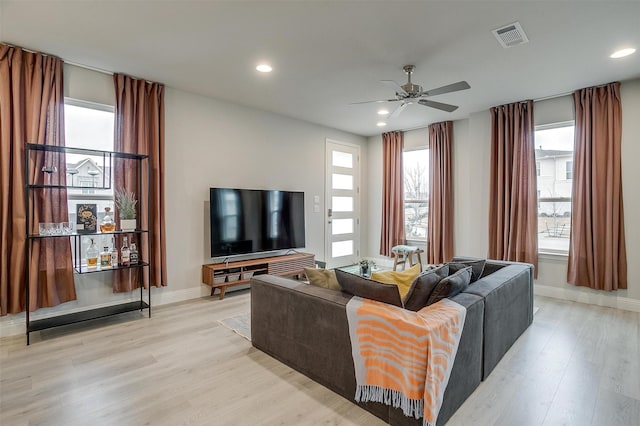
point(126, 205)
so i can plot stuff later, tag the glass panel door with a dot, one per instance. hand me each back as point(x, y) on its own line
point(342, 215)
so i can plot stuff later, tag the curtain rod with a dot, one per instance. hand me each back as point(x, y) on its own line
point(76, 64)
point(559, 95)
point(88, 67)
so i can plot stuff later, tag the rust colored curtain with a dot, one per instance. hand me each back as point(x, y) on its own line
point(513, 211)
point(440, 228)
point(392, 192)
point(139, 129)
point(32, 110)
point(597, 253)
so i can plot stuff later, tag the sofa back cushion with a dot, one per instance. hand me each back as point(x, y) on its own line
point(477, 267)
point(451, 285)
point(423, 286)
point(369, 289)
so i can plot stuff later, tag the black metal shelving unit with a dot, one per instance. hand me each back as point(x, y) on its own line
point(142, 165)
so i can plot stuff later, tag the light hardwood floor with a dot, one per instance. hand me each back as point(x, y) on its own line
point(576, 365)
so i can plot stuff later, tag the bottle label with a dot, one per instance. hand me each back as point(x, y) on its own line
point(133, 257)
point(105, 259)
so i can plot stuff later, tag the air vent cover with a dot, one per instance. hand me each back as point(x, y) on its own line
point(511, 35)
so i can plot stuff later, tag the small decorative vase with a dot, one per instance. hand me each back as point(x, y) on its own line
point(128, 224)
point(364, 270)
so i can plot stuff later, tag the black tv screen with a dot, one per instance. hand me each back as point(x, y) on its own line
point(251, 220)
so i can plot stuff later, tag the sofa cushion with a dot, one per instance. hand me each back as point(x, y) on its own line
point(403, 279)
point(477, 266)
point(423, 286)
point(325, 278)
point(451, 285)
point(369, 289)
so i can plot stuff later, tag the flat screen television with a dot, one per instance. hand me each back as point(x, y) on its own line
point(252, 220)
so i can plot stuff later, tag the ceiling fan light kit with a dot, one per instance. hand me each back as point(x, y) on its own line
point(410, 93)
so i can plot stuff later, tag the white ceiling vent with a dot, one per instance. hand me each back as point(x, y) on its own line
point(511, 35)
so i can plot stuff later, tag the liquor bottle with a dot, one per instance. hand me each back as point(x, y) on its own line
point(114, 254)
point(125, 253)
point(92, 255)
point(105, 258)
point(133, 254)
point(107, 224)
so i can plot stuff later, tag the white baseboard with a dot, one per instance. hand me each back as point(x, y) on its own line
point(588, 297)
point(163, 296)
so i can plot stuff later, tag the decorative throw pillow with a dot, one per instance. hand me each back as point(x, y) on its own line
point(322, 278)
point(369, 289)
point(476, 265)
point(423, 286)
point(451, 285)
point(403, 279)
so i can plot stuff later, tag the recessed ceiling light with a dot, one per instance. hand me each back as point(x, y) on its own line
point(383, 112)
point(264, 68)
point(381, 124)
point(622, 53)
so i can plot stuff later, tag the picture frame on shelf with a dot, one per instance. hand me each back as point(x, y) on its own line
point(87, 219)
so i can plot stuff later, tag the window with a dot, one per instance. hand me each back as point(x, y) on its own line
point(91, 126)
point(416, 193)
point(568, 170)
point(554, 170)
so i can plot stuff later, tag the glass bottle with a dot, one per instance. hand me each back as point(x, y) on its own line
point(114, 253)
point(107, 224)
point(133, 254)
point(92, 255)
point(105, 258)
point(125, 253)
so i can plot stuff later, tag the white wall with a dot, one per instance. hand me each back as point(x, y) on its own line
point(212, 143)
point(471, 167)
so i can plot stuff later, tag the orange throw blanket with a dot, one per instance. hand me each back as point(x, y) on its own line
point(404, 358)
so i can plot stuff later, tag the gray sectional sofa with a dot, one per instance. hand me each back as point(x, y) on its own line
point(306, 327)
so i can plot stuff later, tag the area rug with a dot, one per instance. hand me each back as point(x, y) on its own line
point(241, 324)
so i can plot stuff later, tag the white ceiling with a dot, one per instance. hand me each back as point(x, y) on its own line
point(327, 54)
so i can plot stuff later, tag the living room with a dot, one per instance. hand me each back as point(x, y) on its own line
point(218, 142)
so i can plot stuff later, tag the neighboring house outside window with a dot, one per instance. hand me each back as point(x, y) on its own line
point(89, 126)
point(416, 193)
point(554, 170)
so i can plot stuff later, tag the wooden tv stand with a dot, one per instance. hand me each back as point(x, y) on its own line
point(229, 274)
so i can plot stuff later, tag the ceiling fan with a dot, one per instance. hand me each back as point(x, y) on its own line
point(410, 93)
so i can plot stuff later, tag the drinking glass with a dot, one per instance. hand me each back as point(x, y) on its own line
point(67, 228)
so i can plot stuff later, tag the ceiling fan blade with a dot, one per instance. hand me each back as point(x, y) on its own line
point(461, 85)
point(438, 105)
point(396, 112)
point(378, 101)
point(395, 86)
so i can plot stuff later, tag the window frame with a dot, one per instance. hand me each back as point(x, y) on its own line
point(417, 200)
point(86, 195)
point(561, 178)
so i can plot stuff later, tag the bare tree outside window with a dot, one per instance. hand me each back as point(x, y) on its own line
point(416, 193)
